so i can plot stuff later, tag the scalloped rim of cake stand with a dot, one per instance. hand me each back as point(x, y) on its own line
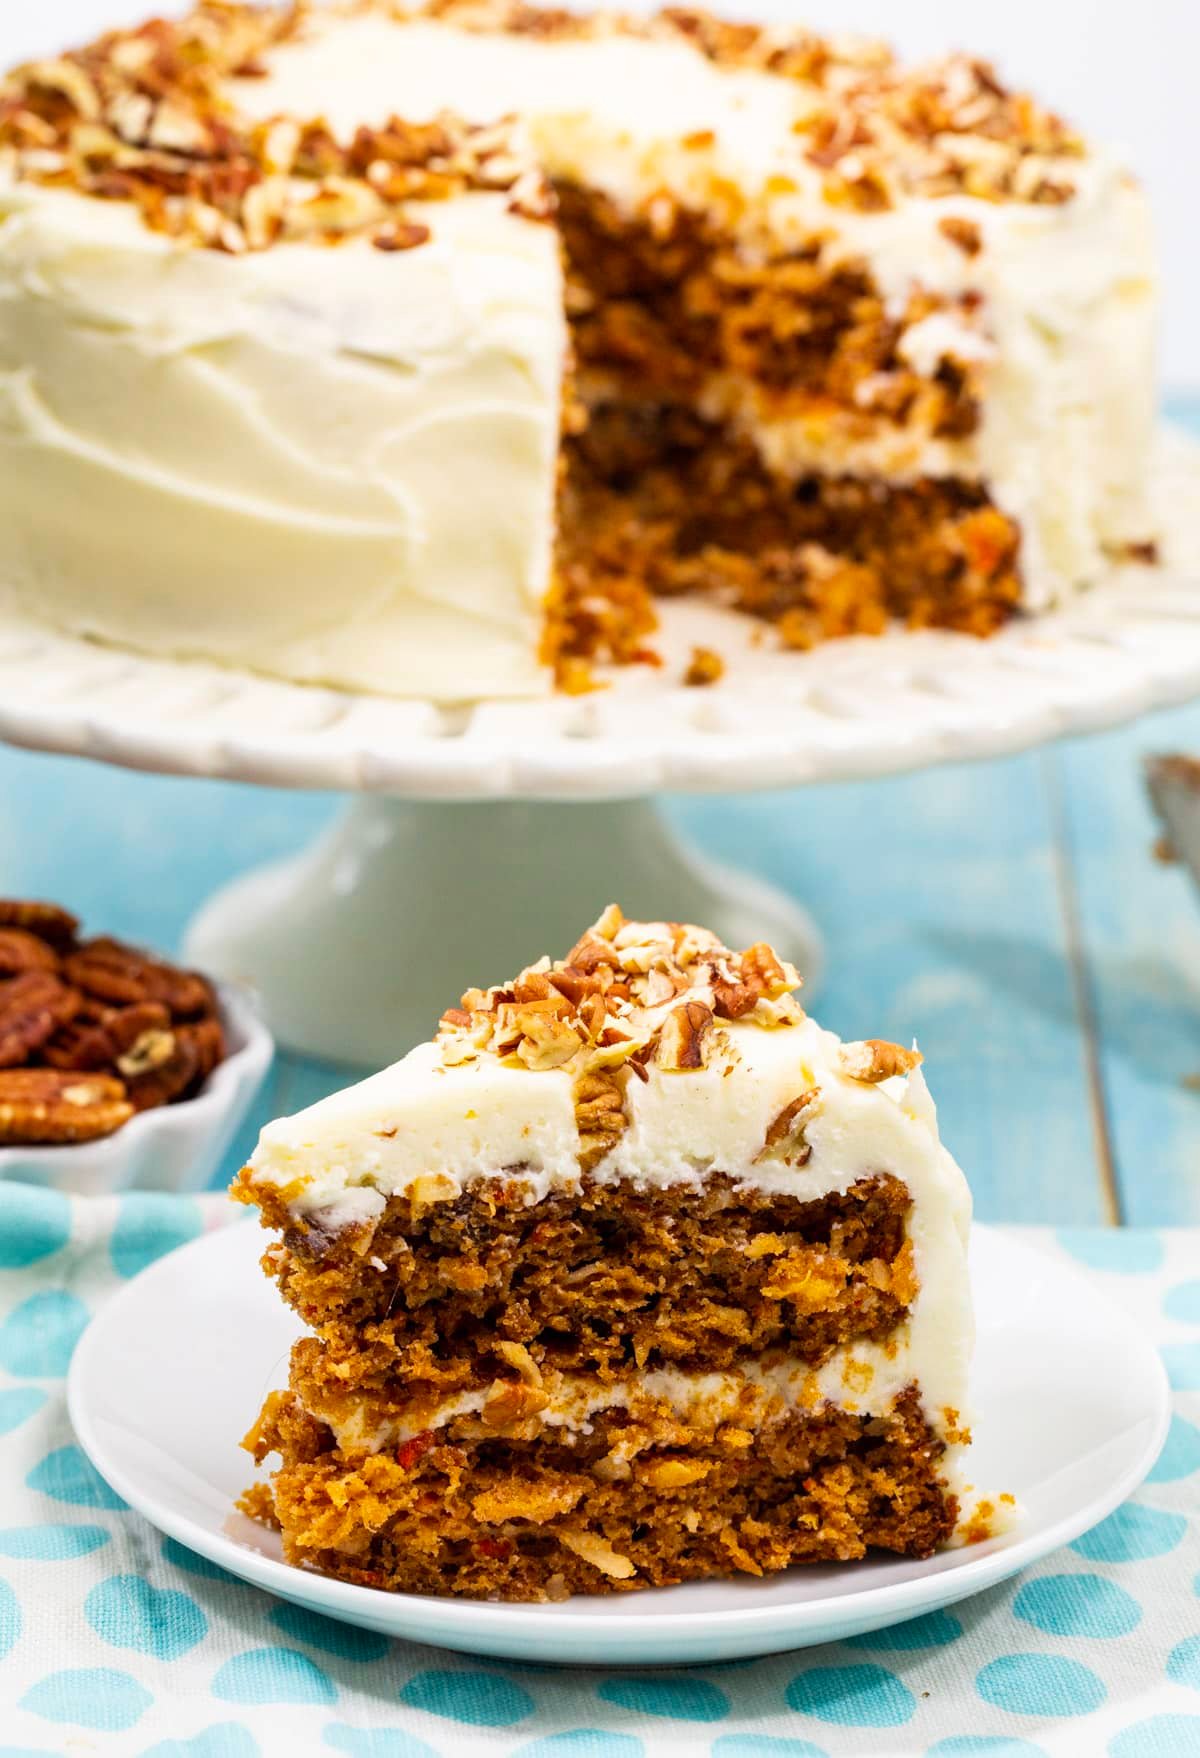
point(849, 709)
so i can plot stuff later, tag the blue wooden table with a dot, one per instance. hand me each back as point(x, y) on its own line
point(1010, 915)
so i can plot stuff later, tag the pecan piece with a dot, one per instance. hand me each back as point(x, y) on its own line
point(44, 1105)
point(599, 1114)
point(22, 951)
point(32, 1007)
point(874, 1059)
point(46, 920)
point(209, 1039)
point(574, 984)
point(588, 954)
point(766, 972)
point(99, 1041)
point(962, 233)
point(510, 1402)
point(732, 999)
point(158, 1068)
point(785, 1133)
point(704, 667)
point(681, 1040)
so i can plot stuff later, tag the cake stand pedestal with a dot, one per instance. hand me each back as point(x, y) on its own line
point(489, 833)
point(358, 944)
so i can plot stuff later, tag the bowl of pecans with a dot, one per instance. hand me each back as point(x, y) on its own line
point(118, 1070)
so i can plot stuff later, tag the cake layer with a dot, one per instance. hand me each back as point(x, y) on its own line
point(608, 1510)
point(664, 503)
point(600, 1280)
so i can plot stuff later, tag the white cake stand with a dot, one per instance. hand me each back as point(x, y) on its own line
point(482, 835)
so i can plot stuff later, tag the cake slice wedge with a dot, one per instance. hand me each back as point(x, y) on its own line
point(632, 1276)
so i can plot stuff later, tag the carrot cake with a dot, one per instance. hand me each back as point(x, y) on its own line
point(632, 1276)
point(421, 351)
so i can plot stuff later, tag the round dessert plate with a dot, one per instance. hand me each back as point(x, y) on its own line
point(1071, 1410)
point(851, 708)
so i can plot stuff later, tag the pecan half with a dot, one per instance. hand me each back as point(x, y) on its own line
point(122, 976)
point(874, 1059)
point(46, 920)
point(209, 1040)
point(45, 1105)
point(91, 1041)
point(23, 951)
point(32, 1007)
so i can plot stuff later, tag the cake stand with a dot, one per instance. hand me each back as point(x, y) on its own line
point(482, 835)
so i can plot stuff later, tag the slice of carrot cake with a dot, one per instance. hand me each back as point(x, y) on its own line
point(633, 1275)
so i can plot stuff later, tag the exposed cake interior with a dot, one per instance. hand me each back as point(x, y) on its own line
point(632, 1276)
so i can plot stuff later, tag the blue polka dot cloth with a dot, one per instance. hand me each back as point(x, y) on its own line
point(116, 1640)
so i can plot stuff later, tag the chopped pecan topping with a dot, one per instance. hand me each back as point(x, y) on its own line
point(876, 130)
point(963, 233)
point(48, 1105)
point(628, 993)
point(785, 1137)
point(518, 1357)
point(874, 1059)
point(599, 1114)
point(681, 1040)
point(704, 667)
point(144, 116)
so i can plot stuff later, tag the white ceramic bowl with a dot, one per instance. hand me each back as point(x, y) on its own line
point(176, 1147)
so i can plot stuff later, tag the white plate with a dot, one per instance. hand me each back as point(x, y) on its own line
point(173, 1147)
point(1072, 1409)
point(851, 708)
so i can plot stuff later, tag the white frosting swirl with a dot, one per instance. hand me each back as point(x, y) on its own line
point(327, 462)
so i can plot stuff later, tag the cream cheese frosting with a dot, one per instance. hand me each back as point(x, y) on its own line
point(333, 463)
point(461, 1109)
